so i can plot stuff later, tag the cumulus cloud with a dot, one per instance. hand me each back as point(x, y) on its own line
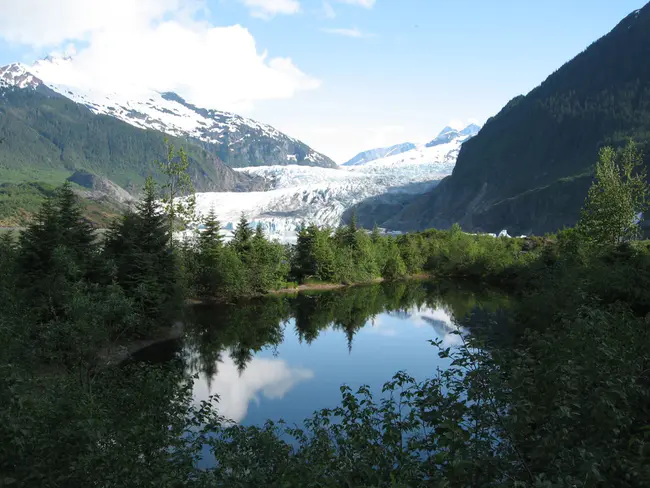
point(360, 3)
point(44, 23)
point(266, 9)
point(268, 378)
point(163, 45)
point(347, 32)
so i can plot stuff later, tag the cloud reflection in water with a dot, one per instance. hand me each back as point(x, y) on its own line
point(439, 318)
point(273, 378)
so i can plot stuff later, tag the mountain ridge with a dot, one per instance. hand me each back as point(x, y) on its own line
point(377, 153)
point(529, 167)
point(236, 140)
point(446, 135)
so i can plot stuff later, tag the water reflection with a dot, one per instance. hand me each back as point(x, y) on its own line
point(440, 319)
point(284, 357)
point(272, 378)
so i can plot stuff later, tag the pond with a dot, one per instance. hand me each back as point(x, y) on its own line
point(283, 357)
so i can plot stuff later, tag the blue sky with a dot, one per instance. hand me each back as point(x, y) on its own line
point(348, 74)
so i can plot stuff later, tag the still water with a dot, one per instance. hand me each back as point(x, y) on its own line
point(285, 357)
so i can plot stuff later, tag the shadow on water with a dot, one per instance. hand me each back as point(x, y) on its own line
point(285, 356)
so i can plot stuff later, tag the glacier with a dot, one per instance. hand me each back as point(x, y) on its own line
point(303, 194)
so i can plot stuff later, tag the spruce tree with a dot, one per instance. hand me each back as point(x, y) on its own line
point(59, 233)
point(140, 247)
point(76, 232)
point(211, 236)
point(375, 233)
point(242, 236)
point(259, 232)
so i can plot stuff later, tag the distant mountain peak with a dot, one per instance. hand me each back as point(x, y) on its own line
point(17, 75)
point(449, 134)
point(447, 130)
point(378, 153)
point(470, 130)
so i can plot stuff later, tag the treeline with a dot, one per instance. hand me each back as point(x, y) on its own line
point(252, 264)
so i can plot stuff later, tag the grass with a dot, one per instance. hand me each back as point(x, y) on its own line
point(53, 177)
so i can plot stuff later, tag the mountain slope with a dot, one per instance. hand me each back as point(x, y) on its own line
point(47, 137)
point(237, 141)
point(382, 152)
point(529, 168)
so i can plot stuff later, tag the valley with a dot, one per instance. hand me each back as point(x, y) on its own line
point(237, 164)
point(304, 194)
point(195, 298)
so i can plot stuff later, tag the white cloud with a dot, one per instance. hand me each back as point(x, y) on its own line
point(45, 23)
point(328, 10)
point(348, 32)
point(273, 378)
point(266, 9)
point(157, 44)
point(360, 3)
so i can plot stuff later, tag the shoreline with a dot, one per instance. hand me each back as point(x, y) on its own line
point(116, 354)
point(321, 286)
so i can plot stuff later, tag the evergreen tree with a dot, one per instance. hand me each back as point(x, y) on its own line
point(314, 255)
point(242, 236)
point(375, 234)
point(211, 236)
point(76, 232)
point(140, 247)
point(617, 198)
point(57, 255)
point(353, 225)
point(259, 232)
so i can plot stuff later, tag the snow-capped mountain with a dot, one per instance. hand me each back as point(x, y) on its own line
point(16, 75)
point(449, 134)
point(382, 152)
point(323, 195)
point(236, 140)
point(293, 182)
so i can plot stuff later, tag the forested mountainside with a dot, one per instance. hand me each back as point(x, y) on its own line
point(529, 168)
point(46, 137)
point(235, 140)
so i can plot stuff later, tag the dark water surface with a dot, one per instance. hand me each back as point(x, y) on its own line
point(285, 357)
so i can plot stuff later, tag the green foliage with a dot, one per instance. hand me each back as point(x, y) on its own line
point(46, 138)
point(242, 236)
point(314, 256)
point(177, 190)
point(557, 396)
point(394, 267)
point(267, 265)
point(618, 195)
point(210, 237)
point(19, 202)
point(146, 266)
